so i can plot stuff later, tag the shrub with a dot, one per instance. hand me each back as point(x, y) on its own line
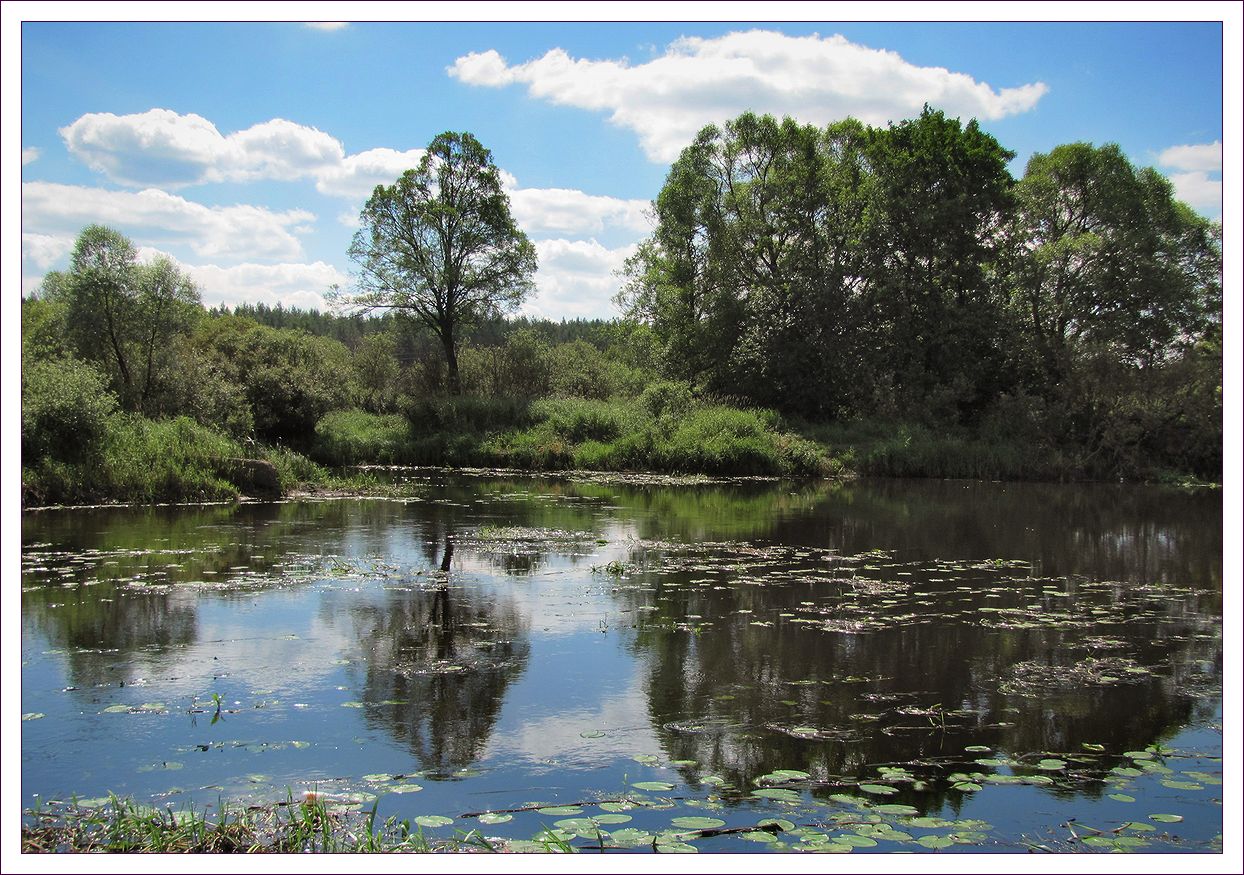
point(354, 437)
point(65, 410)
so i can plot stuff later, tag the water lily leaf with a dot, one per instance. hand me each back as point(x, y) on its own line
point(1138, 754)
point(1127, 771)
point(935, 842)
point(1098, 841)
point(897, 808)
point(351, 704)
point(1097, 748)
point(1138, 827)
point(616, 806)
point(1052, 765)
point(778, 794)
point(34, 715)
point(259, 779)
point(645, 758)
point(675, 848)
point(990, 761)
point(1204, 777)
point(966, 787)
point(855, 841)
point(759, 836)
point(878, 789)
point(780, 823)
point(1166, 818)
point(300, 744)
point(556, 810)
point(491, 819)
point(790, 774)
point(631, 838)
point(591, 733)
point(611, 818)
point(927, 822)
point(1122, 797)
point(377, 777)
point(654, 786)
point(432, 821)
point(978, 748)
point(117, 709)
point(1181, 785)
point(404, 788)
point(697, 822)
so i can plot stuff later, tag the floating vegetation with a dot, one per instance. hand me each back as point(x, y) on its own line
point(1036, 678)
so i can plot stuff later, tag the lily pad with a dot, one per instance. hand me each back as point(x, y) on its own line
point(117, 709)
point(631, 838)
point(492, 819)
point(404, 788)
point(1182, 785)
point(1052, 765)
point(878, 789)
point(34, 715)
point(855, 841)
point(1166, 818)
point(935, 842)
point(562, 810)
point(778, 794)
point(697, 822)
point(1122, 797)
point(966, 787)
point(653, 786)
point(591, 733)
point(433, 821)
point(897, 808)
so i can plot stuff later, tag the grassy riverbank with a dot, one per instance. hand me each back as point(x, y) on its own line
point(140, 460)
point(305, 826)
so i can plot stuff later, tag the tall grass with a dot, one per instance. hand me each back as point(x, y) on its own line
point(145, 460)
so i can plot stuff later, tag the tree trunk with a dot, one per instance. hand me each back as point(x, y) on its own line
point(451, 362)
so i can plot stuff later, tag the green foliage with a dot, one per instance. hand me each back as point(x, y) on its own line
point(355, 437)
point(65, 410)
point(376, 371)
point(121, 315)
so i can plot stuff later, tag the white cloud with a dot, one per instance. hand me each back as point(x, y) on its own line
point(1195, 166)
point(328, 25)
point(1198, 191)
point(239, 232)
point(1204, 157)
point(569, 211)
point(698, 81)
point(356, 176)
point(576, 279)
point(29, 154)
point(161, 147)
point(291, 285)
point(44, 250)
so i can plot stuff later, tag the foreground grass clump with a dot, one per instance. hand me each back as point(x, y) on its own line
point(308, 826)
point(663, 430)
point(144, 460)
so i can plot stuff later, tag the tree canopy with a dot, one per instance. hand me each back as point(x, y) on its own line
point(441, 246)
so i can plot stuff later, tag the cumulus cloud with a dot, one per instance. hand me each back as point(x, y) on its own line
point(291, 285)
point(569, 211)
point(240, 232)
point(1196, 165)
point(44, 250)
point(576, 279)
point(164, 148)
point(1204, 157)
point(356, 176)
point(698, 81)
point(29, 154)
point(327, 25)
point(1197, 190)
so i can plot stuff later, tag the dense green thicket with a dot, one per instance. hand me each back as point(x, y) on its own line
point(901, 274)
point(886, 301)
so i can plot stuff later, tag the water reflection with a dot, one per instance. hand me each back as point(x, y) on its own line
point(832, 628)
point(438, 659)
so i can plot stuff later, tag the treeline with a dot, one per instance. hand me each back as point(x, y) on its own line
point(902, 274)
point(881, 300)
point(131, 389)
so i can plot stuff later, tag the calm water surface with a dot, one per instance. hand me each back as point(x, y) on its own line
point(882, 665)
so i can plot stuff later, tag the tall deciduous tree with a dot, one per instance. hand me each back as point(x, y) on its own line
point(440, 244)
point(1112, 261)
point(122, 314)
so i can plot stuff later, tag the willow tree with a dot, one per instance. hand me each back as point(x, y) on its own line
point(441, 246)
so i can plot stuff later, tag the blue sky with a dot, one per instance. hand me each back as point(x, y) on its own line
point(245, 150)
